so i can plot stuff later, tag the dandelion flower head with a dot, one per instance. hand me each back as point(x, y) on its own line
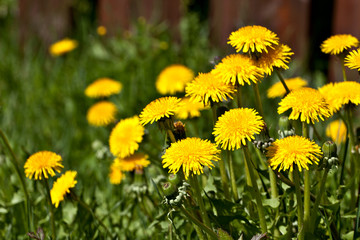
point(101, 30)
point(277, 57)
point(338, 43)
point(192, 154)
point(306, 103)
point(63, 46)
point(101, 113)
point(62, 187)
point(238, 69)
point(133, 162)
point(284, 153)
point(278, 90)
point(207, 87)
point(160, 108)
point(236, 126)
point(116, 174)
point(103, 87)
point(336, 130)
point(341, 93)
point(125, 137)
point(253, 38)
point(43, 163)
point(352, 60)
point(189, 108)
point(173, 79)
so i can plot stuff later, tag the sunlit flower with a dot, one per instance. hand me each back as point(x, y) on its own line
point(133, 162)
point(101, 30)
point(101, 113)
point(352, 60)
point(253, 38)
point(336, 130)
point(160, 108)
point(338, 43)
point(173, 79)
point(237, 68)
point(62, 187)
point(189, 108)
point(306, 103)
point(192, 154)
point(284, 153)
point(43, 163)
point(207, 87)
point(125, 137)
point(341, 93)
point(63, 46)
point(236, 126)
point(278, 90)
point(103, 87)
point(277, 57)
point(116, 174)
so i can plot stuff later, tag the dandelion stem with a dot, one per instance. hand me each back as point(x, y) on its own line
point(15, 162)
point(255, 192)
point(51, 207)
point(238, 97)
point(197, 191)
point(282, 80)
point(258, 99)
point(343, 70)
point(318, 199)
point(299, 204)
point(232, 177)
point(306, 187)
point(208, 230)
point(171, 135)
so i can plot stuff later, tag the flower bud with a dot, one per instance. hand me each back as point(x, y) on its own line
point(284, 123)
point(169, 190)
point(175, 179)
point(329, 149)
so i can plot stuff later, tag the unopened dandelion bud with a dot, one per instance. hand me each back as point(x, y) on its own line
point(174, 179)
point(169, 190)
point(330, 160)
point(329, 149)
point(179, 131)
point(284, 123)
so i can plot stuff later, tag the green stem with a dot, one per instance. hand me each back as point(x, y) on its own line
point(197, 191)
point(258, 99)
point(84, 205)
point(232, 177)
point(282, 80)
point(238, 97)
point(208, 230)
point(51, 207)
point(343, 70)
point(318, 199)
point(171, 135)
point(274, 195)
point(306, 187)
point(224, 178)
point(299, 204)
point(256, 192)
point(15, 162)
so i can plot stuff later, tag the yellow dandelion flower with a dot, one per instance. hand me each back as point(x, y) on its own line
point(125, 137)
point(43, 163)
point(189, 108)
point(278, 90)
point(173, 79)
point(160, 108)
point(284, 153)
point(253, 38)
point(238, 69)
point(133, 162)
point(278, 57)
point(62, 187)
point(207, 87)
point(338, 43)
point(352, 60)
point(101, 113)
point(103, 87)
point(339, 94)
point(101, 30)
point(192, 154)
point(63, 46)
point(116, 174)
point(236, 126)
point(336, 130)
point(306, 103)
